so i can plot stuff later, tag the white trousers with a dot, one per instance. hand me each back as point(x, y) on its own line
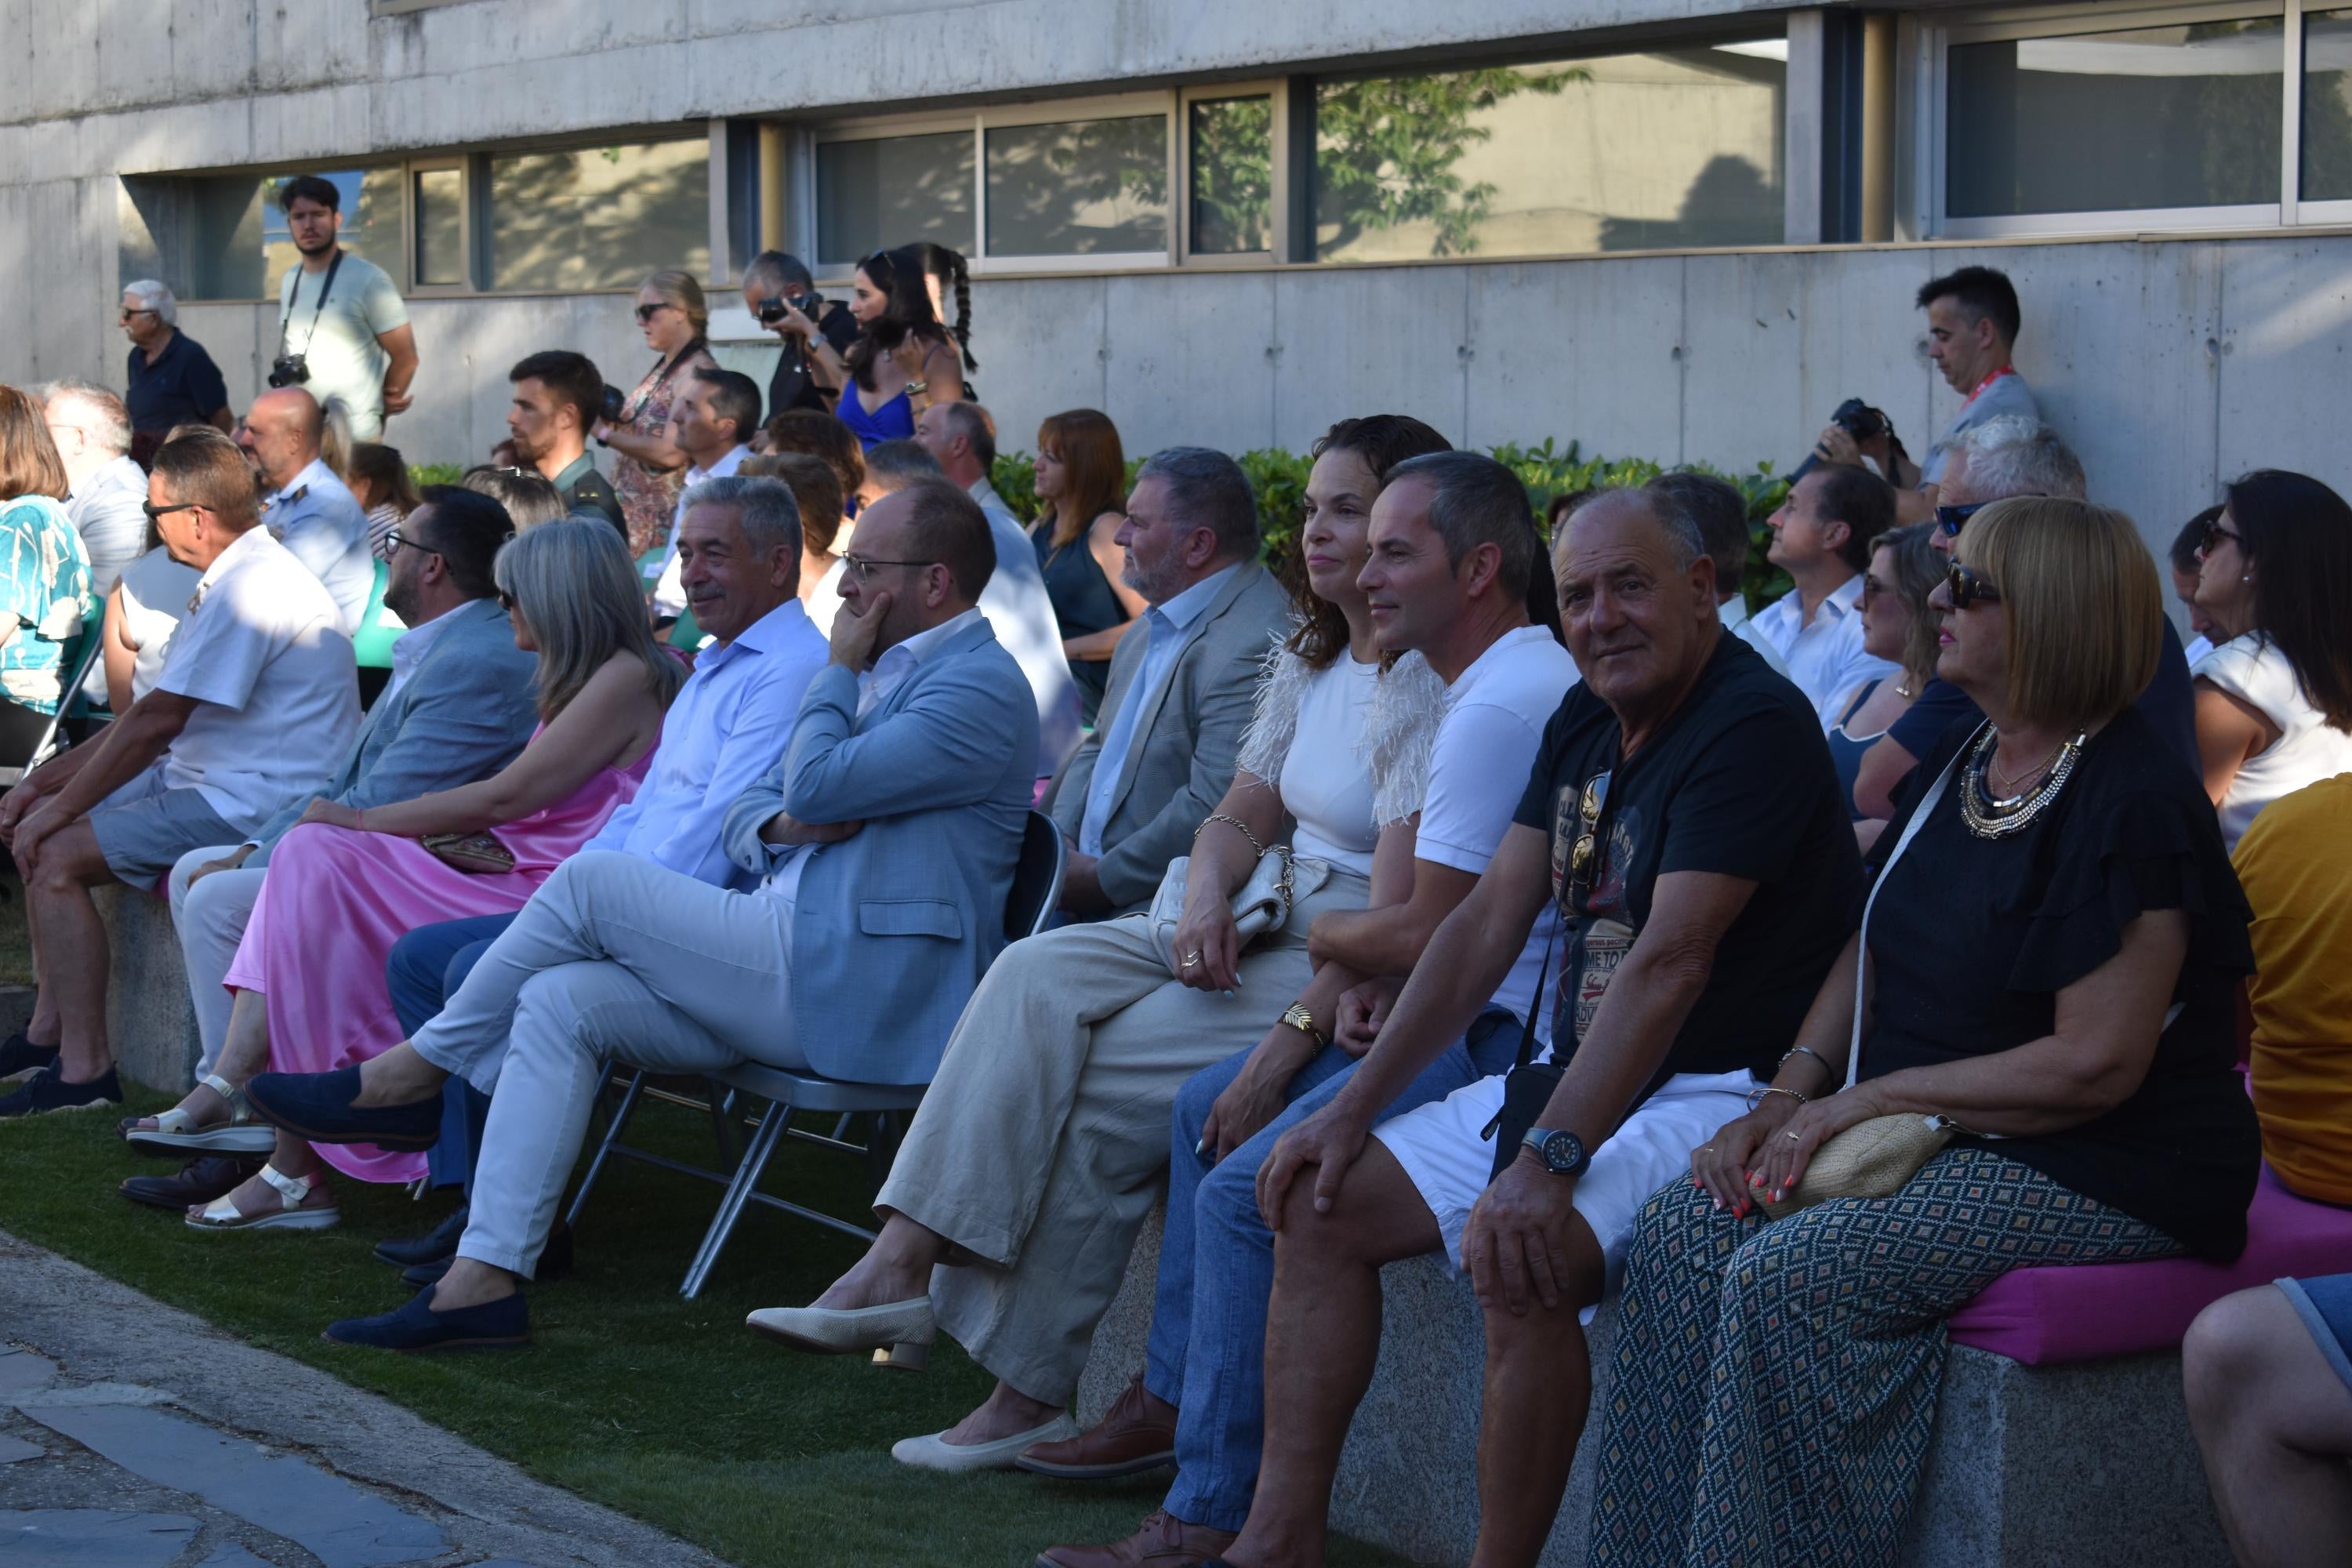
point(210, 918)
point(613, 956)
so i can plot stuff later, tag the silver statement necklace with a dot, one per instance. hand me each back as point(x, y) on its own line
point(1991, 816)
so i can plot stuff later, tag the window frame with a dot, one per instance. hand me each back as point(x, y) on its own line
point(413, 232)
point(1939, 38)
point(1276, 90)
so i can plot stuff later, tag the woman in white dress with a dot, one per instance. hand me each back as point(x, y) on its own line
point(2274, 697)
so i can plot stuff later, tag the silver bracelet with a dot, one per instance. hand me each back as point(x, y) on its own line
point(1808, 1050)
point(1235, 823)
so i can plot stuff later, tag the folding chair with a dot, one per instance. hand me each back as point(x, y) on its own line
point(77, 657)
point(777, 1093)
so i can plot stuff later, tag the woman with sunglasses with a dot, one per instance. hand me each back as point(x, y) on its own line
point(2054, 946)
point(347, 884)
point(2274, 696)
point(46, 602)
point(650, 470)
point(1896, 624)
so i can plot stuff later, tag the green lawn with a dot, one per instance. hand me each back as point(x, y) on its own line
point(664, 1408)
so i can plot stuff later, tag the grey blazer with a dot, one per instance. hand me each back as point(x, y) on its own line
point(461, 715)
point(1181, 761)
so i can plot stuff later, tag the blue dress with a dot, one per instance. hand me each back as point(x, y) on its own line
point(1845, 750)
point(893, 421)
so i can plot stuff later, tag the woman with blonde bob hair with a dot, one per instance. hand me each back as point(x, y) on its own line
point(347, 884)
point(2054, 944)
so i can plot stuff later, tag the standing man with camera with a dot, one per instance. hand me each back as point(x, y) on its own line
point(1972, 325)
point(342, 328)
point(780, 293)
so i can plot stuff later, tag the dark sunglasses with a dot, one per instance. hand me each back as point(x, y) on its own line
point(506, 601)
point(154, 513)
point(2212, 534)
point(1950, 518)
point(1967, 588)
point(1584, 857)
point(647, 313)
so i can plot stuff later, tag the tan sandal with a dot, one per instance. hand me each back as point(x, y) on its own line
point(222, 1214)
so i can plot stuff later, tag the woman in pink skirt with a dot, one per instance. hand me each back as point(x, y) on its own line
point(345, 885)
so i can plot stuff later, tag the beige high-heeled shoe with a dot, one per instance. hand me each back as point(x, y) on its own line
point(899, 1333)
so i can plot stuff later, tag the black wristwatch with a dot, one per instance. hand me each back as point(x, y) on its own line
point(1562, 1153)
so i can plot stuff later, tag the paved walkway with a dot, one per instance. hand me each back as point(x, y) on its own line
point(135, 1436)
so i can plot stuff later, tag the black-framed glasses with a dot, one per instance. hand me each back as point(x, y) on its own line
point(862, 568)
point(126, 313)
point(1967, 588)
point(506, 601)
point(1584, 857)
point(647, 313)
point(394, 541)
point(155, 514)
point(1950, 518)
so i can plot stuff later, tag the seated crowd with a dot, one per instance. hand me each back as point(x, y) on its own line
point(1449, 890)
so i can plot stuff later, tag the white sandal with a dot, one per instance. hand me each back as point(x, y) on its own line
point(176, 1131)
point(222, 1214)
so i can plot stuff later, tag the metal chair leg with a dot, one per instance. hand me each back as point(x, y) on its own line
point(722, 1108)
point(756, 1156)
point(614, 1127)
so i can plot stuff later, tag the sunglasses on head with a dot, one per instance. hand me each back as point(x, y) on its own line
point(1967, 588)
point(1950, 518)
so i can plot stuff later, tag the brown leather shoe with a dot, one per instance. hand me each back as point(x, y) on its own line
point(1165, 1542)
point(1138, 1433)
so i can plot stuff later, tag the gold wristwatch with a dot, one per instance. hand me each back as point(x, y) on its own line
point(1300, 1019)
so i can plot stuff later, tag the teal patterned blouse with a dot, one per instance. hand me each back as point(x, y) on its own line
point(44, 599)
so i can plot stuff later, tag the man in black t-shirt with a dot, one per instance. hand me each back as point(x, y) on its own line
point(783, 297)
point(1685, 813)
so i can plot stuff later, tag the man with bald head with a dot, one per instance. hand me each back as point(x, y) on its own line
point(304, 505)
point(1684, 816)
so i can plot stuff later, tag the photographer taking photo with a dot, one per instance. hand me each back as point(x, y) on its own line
point(343, 329)
point(1972, 325)
point(783, 297)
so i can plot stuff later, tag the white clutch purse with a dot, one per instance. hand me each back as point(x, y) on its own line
point(1261, 905)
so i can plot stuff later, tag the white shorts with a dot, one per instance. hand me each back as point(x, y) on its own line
point(1439, 1148)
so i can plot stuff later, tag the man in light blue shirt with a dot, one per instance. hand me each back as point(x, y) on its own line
point(1164, 627)
point(305, 507)
point(739, 553)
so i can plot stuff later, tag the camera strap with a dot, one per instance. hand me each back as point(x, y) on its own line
point(325, 289)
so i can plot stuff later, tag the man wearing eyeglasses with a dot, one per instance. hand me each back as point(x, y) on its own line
point(1996, 460)
point(256, 706)
point(1683, 817)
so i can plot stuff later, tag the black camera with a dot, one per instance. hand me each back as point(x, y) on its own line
point(610, 404)
point(290, 370)
point(1858, 419)
point(771, 309)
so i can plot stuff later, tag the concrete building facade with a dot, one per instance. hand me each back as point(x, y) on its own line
point(1670, 228)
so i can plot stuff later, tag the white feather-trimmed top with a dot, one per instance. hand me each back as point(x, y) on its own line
point(1400, 728)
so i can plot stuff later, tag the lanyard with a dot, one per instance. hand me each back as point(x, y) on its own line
point(295, 298)
point(2005, 370)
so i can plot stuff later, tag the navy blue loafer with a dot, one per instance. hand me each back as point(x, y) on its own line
point(503, 1324)
point(317, 1108)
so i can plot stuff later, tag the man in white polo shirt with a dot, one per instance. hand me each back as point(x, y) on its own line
point(257, 705)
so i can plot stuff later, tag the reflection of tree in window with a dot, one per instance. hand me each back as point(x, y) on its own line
point(1078, 188)
point(1233, 175)
point(1385, 148)
point(2327, 107)
point(599, 217)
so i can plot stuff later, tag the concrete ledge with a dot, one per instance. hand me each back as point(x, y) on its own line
point(148, 1016)
point(2092, 1466)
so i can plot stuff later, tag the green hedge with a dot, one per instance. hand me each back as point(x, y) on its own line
point(423, 474)
point(1280, 478)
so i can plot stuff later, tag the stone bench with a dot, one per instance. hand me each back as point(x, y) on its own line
point(148, 1016)
point(2091, 1465)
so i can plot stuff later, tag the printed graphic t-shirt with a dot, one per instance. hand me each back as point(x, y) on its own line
point(1738, 782)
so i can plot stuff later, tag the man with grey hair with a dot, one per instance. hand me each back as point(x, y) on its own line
point(1130, 798)
point(106, 491)
point(171, 380)
point(1721, 512)
point(783, 297)
point(1702, 893)
point(1998, 460)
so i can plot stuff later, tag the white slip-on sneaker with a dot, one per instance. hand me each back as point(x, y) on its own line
point(930, 1453)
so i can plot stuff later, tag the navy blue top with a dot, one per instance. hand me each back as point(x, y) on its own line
point(2170, 706)
point(181, 387)
point(1083, 604)
point(1845, 751)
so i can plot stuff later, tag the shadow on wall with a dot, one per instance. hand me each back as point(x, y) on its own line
point(1730, 203)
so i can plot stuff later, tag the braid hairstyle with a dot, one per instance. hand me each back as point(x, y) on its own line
point(951, 269)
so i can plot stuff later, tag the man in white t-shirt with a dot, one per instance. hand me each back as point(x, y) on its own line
point(256, 706)
point(1821, 537)
point(712, 424)
point(343, 329)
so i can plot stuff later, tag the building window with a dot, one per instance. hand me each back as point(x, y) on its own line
point(2130, 120)
point(881, 191)
point(1230, 151)
point(2326, 140)
point(598, 217)
point(1078, 187)
point(439, 215)
point(1670, 148)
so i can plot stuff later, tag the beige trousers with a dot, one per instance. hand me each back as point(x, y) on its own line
point(1044, 1139)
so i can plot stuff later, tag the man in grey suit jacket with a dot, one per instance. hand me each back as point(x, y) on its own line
point(1182, 688)
point(458, 708)
point(887, 840)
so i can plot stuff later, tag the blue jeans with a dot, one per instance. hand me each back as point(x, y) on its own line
point(1207, 1354)
point(426, 967)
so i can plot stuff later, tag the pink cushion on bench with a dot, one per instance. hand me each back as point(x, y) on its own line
point(2088, 1310)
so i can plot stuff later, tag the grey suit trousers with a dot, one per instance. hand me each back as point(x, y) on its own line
point(1043, 1140)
